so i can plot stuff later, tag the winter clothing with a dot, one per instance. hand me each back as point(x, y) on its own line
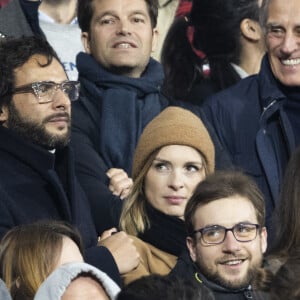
point(107, 122)
point(186, 268)
point(252, 123)
point(58, 281)
point(174, 126)
point(159, 245)
point(37, 184)
point(165, 232)
point(126, 103)
point(4, 293)
point(152, 261)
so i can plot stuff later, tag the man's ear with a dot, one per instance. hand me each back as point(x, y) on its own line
point(190, 243)
point(264, 239)
point(85, 39)
point(3, 114)
point(251, 30)
point(155, 36)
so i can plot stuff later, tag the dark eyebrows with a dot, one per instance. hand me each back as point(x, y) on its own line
point(139, 12)
point(106, 13)
point(115, 14)
point(186, 163)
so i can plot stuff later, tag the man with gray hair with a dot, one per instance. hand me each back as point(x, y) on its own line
point(258, 120)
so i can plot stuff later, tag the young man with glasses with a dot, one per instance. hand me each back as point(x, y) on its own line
point(226, 236)
point(37, 174)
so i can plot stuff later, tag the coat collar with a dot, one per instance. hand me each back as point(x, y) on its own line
point(34, 155)
point(268, 85)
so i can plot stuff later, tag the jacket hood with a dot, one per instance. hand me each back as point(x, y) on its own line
point(4, 293)
point(55, 285)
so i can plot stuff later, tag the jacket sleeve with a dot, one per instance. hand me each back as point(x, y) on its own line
point(91, 173)
point(101, 258)
point(6, 218)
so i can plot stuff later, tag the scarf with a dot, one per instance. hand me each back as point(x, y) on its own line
point(166, 233)
point(126, 105)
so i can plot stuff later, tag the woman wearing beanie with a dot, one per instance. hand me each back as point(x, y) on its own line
point(173, 155)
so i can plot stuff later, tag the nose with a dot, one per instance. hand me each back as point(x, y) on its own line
point(230, 243)
point(61, 100)
point(290, 43)
point(123, 27)
point(176, 180)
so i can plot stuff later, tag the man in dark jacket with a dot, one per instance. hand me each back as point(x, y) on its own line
point(258, 120)
point(37, 169)
point(120, 94)
point(226, 236)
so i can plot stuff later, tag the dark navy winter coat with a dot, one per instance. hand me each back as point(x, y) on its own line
point(252, 125)
point(36, 184)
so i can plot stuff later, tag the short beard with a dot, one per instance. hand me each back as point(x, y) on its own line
point(36, 132)
point(229, 284)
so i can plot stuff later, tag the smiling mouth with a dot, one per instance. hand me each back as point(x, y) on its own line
point(233, 262)
point(291, 61)
point(124, 45)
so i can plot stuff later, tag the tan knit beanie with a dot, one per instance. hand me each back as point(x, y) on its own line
point(174, 126)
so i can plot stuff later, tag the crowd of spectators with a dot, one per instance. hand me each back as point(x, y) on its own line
point(150, 149)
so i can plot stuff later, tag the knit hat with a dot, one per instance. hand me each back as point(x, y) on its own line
point(174, 126)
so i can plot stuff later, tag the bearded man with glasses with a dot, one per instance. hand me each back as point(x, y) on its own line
point(226, 237)
point(37, 170)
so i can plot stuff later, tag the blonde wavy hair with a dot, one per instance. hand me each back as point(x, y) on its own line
point(134, 219)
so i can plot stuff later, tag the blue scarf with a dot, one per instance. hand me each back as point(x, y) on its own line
point(126, 106)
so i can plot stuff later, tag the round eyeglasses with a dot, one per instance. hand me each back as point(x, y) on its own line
point(216, 234)
point(45, 90)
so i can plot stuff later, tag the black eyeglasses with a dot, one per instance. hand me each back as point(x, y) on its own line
point(45, 90)
point(216, 234)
